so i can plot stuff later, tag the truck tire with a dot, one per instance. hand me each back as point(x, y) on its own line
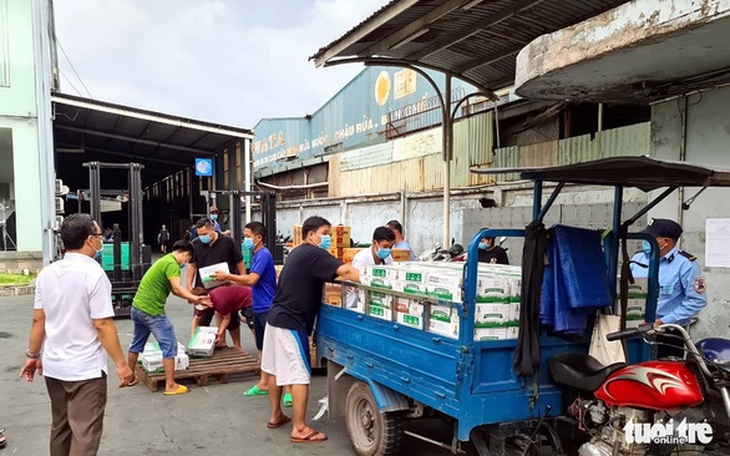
point(371, 433)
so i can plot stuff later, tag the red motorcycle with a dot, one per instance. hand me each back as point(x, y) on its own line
point(660, 407)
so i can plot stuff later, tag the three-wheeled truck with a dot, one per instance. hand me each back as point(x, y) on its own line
point(381, 372)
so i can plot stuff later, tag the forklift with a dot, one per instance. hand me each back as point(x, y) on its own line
point(124, 262)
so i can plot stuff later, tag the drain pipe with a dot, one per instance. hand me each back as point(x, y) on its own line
point(682, 157)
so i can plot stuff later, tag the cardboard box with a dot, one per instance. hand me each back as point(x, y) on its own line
point(152, 362)
point(380, 305)
point(207, 274)
point(202, 343)
point(494, 315)
point(412, 281)
point(297, 235)
point(409, 312)
point(444, 285)
point(332, 294)
point(348, 255)
point(340, 236)
point(400, 255)
point(444, 320)
point(481, 334)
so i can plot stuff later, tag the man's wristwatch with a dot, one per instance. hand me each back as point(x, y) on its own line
point(30, 355)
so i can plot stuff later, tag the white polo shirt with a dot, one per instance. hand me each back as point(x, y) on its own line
point(362, 259)
point(72, 293)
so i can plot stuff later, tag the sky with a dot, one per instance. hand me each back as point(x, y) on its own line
point(231, 62)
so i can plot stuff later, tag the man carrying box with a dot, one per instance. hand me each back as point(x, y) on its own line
point(378, 253)
point(227, 301)
point(148, 311)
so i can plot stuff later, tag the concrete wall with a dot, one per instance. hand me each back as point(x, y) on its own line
point(706, 141)
point(19, 113)
point(423, 219)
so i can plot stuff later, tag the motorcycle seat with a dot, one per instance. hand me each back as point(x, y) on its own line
point(580, 371)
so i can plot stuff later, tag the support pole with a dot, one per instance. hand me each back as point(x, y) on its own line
point(247, 177)
point(447, 125)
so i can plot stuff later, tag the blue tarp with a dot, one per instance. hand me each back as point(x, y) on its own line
point(575, 282)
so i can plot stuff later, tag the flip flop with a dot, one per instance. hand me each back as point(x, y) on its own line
point(312, 437)
point(3, 441)
point(133, 382)
point(255, 391)
point(282, 421)
point(288, 402)
point(181, 389)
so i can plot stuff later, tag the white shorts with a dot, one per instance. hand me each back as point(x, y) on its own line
point(286, 356)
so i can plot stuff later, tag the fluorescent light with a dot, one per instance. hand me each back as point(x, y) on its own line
point(471, 5)
point(408, 39)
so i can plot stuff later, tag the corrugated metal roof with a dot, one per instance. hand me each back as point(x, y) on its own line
point(477, 44)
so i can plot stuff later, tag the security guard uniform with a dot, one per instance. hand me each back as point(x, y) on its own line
point(681, 285)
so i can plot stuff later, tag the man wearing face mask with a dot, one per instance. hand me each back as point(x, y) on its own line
point(214, 220)
point(285, 355)
point(73, 314)
point(490, 252)
point(212, 247)
point(681, 285)
point(378, 253)
point(148, 311)
point(262, 280)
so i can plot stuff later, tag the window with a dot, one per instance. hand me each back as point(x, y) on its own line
point(226, 176)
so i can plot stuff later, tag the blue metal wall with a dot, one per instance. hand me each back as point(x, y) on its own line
point(351, 118)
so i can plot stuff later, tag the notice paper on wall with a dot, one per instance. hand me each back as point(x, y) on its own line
point(717, 239)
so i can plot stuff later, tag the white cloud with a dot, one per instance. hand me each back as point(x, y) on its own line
point(223, 61)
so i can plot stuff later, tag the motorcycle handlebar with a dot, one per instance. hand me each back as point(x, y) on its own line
point(618, 335)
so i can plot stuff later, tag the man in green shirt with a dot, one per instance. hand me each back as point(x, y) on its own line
point(148, 311)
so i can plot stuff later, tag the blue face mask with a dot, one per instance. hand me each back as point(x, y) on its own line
point(248, 243)
point(325, 242)
point(383, 253)
point(214, 217)
point(205, 239)
point(182, 265)
point(646, 247)
point(483, 246)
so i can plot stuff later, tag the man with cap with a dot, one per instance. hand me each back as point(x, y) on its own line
point(682, 289)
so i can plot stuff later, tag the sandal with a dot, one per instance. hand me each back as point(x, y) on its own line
point(133, 382)
point(282, 421)
point(312, 437)
point(3, 441)
point(255, 391)
point(181, 389)
point(288, 402)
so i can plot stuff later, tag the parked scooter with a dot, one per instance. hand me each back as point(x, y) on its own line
point(626, 409)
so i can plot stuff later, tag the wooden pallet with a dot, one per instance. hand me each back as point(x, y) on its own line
point(223, 362)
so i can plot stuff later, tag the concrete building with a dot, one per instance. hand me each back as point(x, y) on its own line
point(671, 55)
point(27, 209)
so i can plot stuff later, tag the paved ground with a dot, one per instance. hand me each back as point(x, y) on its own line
point(209, 420)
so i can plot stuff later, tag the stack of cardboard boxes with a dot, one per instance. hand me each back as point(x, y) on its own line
point(498, 297)
point(151, 358)
point(340, 235)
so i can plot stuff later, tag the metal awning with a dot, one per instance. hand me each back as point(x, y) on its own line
point(88, 130)
point(474, 40)
point(644, 173)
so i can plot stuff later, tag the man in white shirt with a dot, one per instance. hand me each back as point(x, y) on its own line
point(73, 313)
point(378, 253)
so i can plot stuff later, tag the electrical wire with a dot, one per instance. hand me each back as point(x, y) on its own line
point(69, 82)
point(68, 59)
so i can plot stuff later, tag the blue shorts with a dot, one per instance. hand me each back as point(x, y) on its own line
point(160, 327)
point(259, 325)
